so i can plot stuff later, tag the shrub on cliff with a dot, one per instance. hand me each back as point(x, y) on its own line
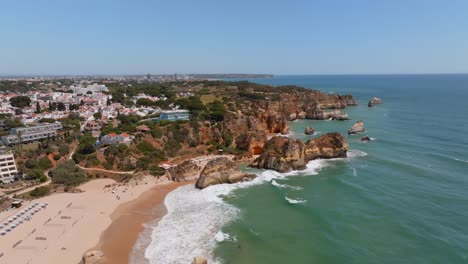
point(40, 191)
point(68, 173)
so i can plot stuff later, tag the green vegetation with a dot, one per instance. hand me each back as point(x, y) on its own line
point(40, 191)
point(68, 173)
point(20, 101)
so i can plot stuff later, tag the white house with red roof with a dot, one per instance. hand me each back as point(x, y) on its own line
point(114, 139)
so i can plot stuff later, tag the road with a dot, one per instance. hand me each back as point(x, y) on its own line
point(28, 189)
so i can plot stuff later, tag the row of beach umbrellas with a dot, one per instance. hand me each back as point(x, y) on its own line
point(21, 217)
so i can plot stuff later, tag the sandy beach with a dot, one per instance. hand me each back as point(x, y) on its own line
point(118, 240)
point(71, 223)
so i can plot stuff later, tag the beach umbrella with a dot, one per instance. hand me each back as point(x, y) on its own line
point(12, 226)
point(3, 233)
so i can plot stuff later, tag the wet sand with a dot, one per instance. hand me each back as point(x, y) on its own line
point(118, 240)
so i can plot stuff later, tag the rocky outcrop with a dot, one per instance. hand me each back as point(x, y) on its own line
point(350, 100)
point(277, 124)
point(284, 154)
point(324, 115)
point(92, 257)
point(365, 139)
point(358, 127)
point(373, 101)
point(252, 141)
point(221, 170)
point(186, 171)
point(200, 260)
point(309, 131)
point(328, 146)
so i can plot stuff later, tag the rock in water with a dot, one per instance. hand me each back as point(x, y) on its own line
point(221, 170)
point(328, 146)
point(374, 101)
point(365, 139)
point(282, 154)
point(358, 127)
point(92, 257)
point(309, 131)
point(200, 260)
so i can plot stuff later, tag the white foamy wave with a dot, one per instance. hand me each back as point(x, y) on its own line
point(295, 201)
point(189, 227)
point(356, 153)
point(194, 218)
point(285, 186)
point(220, 237)
point(457, 159)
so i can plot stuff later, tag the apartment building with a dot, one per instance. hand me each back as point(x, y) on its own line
point(8, 169)
point(27, 134)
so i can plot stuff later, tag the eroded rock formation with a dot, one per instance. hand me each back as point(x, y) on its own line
point(358, 127)
point(373, 101)
point(284, 154)
point(328, 146)
point(309, 131)
point(92, 257)
point(200, 260)
point(186, 171)
point(221, 170)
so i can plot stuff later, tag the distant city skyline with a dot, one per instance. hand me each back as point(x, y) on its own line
point(249, 37)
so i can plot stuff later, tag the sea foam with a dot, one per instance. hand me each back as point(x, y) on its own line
point(192, 225)
point(295, 201)
point(285, 186)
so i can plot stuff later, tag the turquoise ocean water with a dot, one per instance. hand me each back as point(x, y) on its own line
point(406, 201)
point(401, 198)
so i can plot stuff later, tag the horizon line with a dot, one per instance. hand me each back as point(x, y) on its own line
point(274, 74)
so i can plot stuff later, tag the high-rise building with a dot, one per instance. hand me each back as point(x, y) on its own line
point(8, 170)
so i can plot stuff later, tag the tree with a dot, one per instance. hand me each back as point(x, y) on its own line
point(217, 111)
point(38, 107)
point(40, 191)
point(81, 102)
point(97, 115)
point(68, 173)
point(20, 101)
point(89, 92)
point(61, 106)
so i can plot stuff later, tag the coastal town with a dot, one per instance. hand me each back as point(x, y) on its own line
point(113, 139)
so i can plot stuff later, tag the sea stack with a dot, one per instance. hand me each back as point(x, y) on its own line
point(358, 127)
point(309, 131)
point(374, 101)
point(365, 139)
point(285, 154)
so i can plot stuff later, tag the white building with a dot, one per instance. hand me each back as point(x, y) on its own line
point(114, 139)
point(31, 133)
point(8, 169)
point(78, 89)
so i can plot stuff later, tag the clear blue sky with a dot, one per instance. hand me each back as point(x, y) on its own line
point(238, 36)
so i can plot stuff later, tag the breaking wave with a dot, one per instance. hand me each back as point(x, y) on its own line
point(285, 186)
point(192, 225)
point(295, 201)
